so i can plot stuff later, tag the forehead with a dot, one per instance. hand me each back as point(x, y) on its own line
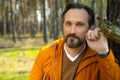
point(76, 14)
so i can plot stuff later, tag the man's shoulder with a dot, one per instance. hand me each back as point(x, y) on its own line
point(47, 49)
point(50, 48)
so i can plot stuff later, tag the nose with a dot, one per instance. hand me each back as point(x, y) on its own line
point(73, 29)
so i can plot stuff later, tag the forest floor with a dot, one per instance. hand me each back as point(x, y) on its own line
point(16, 59)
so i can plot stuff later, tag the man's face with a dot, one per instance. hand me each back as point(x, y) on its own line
point(75, 26)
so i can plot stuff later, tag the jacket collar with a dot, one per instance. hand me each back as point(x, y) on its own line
point(89, 57)
point(60, 43)
point(58, 58)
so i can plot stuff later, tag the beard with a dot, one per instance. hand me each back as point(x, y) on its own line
point(73, 43)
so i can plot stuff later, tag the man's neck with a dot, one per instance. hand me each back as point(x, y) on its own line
point(74, 51)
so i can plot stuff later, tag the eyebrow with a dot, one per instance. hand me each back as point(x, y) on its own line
point(79, 22)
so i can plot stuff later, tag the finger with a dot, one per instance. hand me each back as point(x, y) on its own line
point(96, 33)
point(91, 36)
point(88, 34)
point(92, 27)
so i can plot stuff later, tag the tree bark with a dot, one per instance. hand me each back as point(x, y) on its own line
point(4, 16)
point(113, 13)
point(44, 23)
point(57, 17)
point(93, 5)
point(13, 20)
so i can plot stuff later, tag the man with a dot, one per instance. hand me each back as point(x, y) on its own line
point(83, 53)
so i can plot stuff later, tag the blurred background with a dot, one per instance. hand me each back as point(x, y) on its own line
point(28, 25)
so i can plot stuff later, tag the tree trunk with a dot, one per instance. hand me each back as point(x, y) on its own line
point(4, 16)
point(57, 18)
point(101, 8)
point(19, 20)
point(93, 5)
point(69, 1)
point(113, 13)
point(44, 23)
point(13, 20)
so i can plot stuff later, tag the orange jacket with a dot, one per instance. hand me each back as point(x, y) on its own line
point(48, 64)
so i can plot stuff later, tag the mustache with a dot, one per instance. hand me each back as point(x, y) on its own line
point(72, 35)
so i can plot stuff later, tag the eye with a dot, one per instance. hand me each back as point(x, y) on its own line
point(68, 23)
point(80, 24)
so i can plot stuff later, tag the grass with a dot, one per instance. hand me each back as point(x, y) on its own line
point(20, 77)
point(16, 59)
point(15, 64)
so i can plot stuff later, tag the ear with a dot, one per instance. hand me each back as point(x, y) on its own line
point(92, 27)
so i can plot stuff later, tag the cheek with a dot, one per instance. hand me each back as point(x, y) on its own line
point(82, 33)
point(66, 31)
